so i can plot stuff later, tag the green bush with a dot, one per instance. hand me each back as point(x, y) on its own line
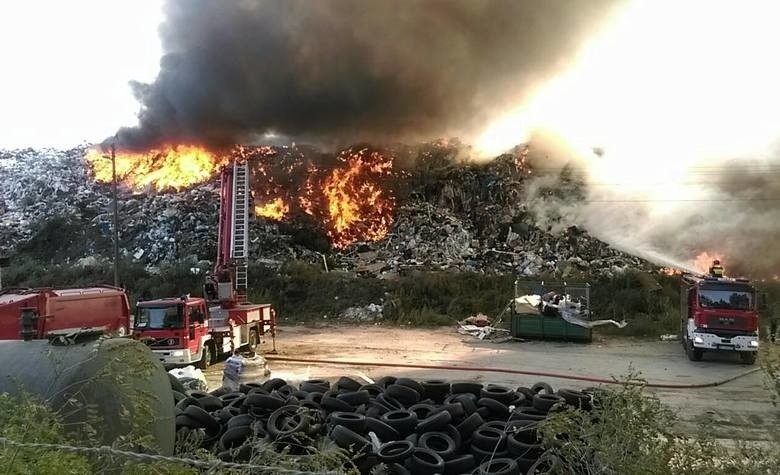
point(630, 432)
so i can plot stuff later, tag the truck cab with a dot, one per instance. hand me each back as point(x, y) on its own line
point(719, 314)
point(175, 329)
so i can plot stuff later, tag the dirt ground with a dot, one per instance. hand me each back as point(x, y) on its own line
point(740, 409)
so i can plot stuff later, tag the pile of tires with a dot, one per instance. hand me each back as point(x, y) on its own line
point(395, 426)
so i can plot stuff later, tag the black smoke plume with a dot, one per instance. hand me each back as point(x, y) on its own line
point(337, 71)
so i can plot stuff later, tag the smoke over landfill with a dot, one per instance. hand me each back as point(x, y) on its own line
point(670, 124)
point(344, 71)
point(674, 135)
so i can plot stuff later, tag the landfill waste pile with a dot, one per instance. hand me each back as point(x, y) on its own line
point(440, 212)
point(395, 425)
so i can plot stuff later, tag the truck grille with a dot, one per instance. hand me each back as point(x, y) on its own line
point(161, 342)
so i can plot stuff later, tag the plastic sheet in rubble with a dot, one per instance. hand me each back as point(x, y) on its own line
point(569, 310)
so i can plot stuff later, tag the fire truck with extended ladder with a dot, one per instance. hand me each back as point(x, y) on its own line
point(718, 314)
point(193, 330)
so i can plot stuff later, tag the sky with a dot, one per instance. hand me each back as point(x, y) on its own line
point(65, 68)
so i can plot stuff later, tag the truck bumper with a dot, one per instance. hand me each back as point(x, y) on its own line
point(712, 342)
point(172, 358)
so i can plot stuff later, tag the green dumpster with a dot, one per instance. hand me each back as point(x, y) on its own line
point(542, 327)
point(529, 322)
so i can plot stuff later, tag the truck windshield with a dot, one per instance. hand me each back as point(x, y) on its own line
point(150, 318)
point(730, 299)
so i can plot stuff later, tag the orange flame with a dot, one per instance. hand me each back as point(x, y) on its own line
point(703, 261)
point(174, 168)
point(349, 200)
point(358, 209)
point(275, 210)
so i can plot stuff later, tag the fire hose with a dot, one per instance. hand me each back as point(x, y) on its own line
point(573, 377)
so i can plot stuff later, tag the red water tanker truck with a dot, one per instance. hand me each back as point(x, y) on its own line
point(30, 314)
point(719, 314)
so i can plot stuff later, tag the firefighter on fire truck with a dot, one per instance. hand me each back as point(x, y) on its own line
point(716, 270)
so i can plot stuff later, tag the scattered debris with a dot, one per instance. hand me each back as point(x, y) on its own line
point(670, 337)
point(455, 216)
point(368, 313)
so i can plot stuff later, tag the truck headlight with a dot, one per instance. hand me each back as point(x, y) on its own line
point(753, 343)
point(698, 340)
point(177, 353)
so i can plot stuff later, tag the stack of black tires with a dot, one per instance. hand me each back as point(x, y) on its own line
point(396, 426)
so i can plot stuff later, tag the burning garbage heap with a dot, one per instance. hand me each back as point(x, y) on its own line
point(375, 211)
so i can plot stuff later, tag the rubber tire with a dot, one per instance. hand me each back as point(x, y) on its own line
point(247, 387)
point(522, 431)
point(273, 384)
point(406, 395)
point(460, 387)
point(452, 431)
point(423, 410)
point(384, 431)
point(395, 451)
point(469, 425)
point(401, 420)
point(438, 442)
point(542, 386)
point(315, 385)
point(411, 383)
point(469, 404)
point(502, 394)
point(350, 420)
point(205, 419)
point(517, 448)
point(748, 357)
point(240, 420)
point(545, 402)
point(529, 395)
point(499, 466)
point(205, 357)
point(460, 464)
point(434, 422)
point(455, 409)
point(235, 437)
point(694, 354)
point(263, 401)
point(301, 419)
point(575, 398)
point(333, 404)
point(436, 389)
point(374, 390)
point(527, 414)
point(395, 469)
point(385, 381)
point(346, 383)
point(482, 455)
point(425, 462)
point(489, 439)
point(496, 408)
point(349, 440)
point(546, 463)
point(355, 398)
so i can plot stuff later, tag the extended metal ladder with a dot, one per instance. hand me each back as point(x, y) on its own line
point(240, 232)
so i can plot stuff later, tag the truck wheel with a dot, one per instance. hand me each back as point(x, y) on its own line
point(253, 340)
point(748, 357)
point(694, 354)
point(205, 359)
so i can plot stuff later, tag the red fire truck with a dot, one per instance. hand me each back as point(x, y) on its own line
point(718, 314)
point(189, 330)
point(38, 313)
